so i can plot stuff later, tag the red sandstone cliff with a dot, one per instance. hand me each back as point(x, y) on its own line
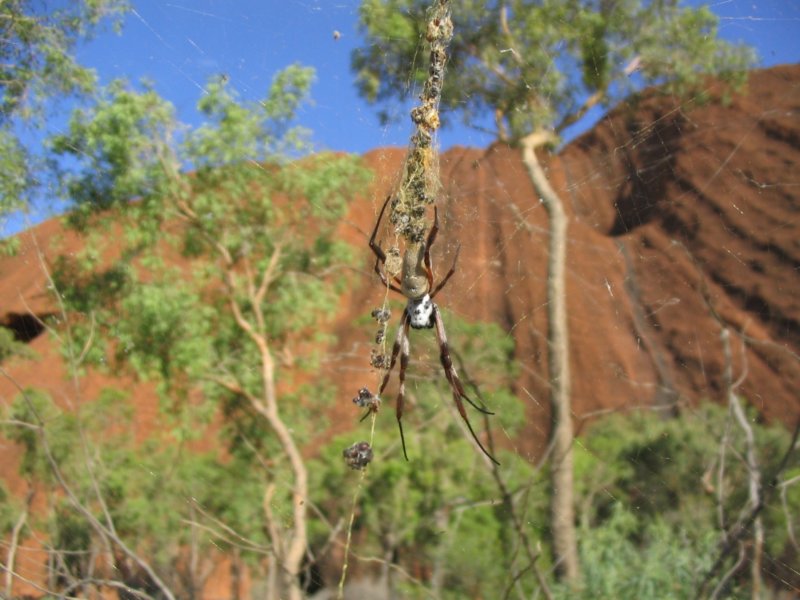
point(674, 206)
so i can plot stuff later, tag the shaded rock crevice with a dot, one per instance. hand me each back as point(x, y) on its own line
point(25, 327)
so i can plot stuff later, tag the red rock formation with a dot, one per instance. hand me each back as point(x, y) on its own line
point(678, 211)
point(676, 208)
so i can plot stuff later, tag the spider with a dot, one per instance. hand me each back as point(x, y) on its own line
point(421, 312)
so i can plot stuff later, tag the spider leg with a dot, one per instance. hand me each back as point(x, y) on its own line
point(455, 382)
point(400, 344)
point(452, 270)
point(426, 258)
point(449, 369)
point(401, 394)
point(373, 246)
point(379, 253)
point(385, 281)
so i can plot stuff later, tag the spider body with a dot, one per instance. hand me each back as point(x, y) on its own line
point(416, 284)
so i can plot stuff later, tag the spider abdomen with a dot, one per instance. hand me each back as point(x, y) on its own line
point(420, 312)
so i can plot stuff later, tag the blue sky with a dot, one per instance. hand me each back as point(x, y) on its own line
point(179, 44)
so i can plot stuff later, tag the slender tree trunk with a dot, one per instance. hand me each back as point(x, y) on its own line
point(290, 544)
point(13, 545)
point(562, 507)
point(236, 575)
point(753, 468)
point(295, 546)
point(273, 591)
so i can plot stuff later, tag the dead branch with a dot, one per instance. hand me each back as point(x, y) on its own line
point(102, 529)
point(740, 529)
point(13, 545)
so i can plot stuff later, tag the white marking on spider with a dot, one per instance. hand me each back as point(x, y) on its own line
point(420, 312)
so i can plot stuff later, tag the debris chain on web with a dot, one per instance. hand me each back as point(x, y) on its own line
point(356, 496)
point(420, 183)
point(418, 189)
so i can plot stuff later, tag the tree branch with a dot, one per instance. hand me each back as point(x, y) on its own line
point(98, 526)
point(741, 527)
point(14, 541)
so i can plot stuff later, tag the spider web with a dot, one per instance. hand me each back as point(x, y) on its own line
point(619, 254)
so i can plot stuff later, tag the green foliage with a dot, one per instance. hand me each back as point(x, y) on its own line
point(157, 493)
point(648, 522)
point(36, 53)
point(37, 65)
point(38, 410)
point(72, 535)
point(154, 490)
point(121, 145)
point(9, 510)
point(647, 496)
point(440, 510)
point(239, 225)
point(200, 283)
point(9, 346)
point(261, 132)
point(242, 219)
point(656, 466)
point(536, 62)
point(15, 178)
point(625, 558)
point(163, 329)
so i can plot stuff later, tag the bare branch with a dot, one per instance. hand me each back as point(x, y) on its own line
point(728, 574)
point(13, 544)
point(269, 274)
point(754, 474)
point(742, 526)
point(80, 507)
point(245, 544)
point(787, 514)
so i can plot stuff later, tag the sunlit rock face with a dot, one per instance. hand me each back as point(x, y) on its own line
point(684, 219)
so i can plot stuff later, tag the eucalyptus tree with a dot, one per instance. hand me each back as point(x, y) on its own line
point(37, 64)
point(212, 283)
point(533, 68)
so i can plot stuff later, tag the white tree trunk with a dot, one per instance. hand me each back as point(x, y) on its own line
point(562, 507)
